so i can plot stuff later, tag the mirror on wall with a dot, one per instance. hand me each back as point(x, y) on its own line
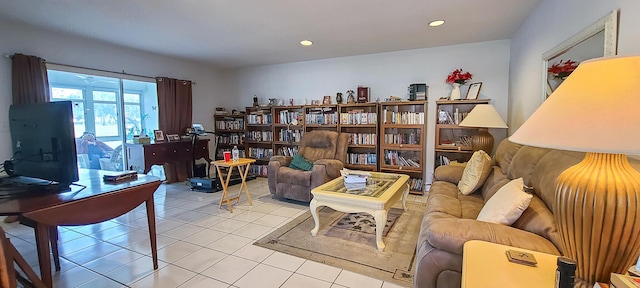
point(598, 40)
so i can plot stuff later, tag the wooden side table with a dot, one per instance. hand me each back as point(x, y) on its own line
point(485, 264)
point(243, 167)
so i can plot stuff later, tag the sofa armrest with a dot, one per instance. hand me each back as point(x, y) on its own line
point(450, 234)
point(275, 162)
point(332, 167)
point(282, 160)
point(448, 173)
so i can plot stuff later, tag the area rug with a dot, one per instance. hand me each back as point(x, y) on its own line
point(351, 249)
point(366, 223)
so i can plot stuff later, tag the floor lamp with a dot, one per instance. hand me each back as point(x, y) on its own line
point(483, 116)
point(595, 110)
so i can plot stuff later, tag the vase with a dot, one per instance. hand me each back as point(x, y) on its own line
point(455, 91)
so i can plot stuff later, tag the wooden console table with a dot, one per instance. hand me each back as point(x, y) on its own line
point(95, 203)
point(142, 156)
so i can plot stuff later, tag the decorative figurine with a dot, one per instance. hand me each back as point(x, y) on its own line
point(272, 101)
point(281, 102)
point(350, 97)
point(255, 101)
point(339, 98)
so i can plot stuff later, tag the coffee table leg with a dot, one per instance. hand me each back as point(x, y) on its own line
point(404, 197)
point(313, 206)
point(381, 221)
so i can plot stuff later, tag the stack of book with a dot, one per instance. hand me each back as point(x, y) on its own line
point(355, 182)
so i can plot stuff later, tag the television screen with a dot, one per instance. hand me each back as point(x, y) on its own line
point(42, 136)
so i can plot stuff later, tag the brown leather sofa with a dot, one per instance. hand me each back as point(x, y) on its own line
point(449, 220)
point(327, 150)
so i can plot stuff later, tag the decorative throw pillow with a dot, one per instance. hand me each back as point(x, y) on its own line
point(298, 162)
point(506, 206)
point(475, 173)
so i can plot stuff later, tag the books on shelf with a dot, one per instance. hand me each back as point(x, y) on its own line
point(230, 124)
point(358, 117)
point(406, 118)
point(394, 158)
point(415, 184)
point(289, 135)
point(362, 158)
point(260, 170)
point(259, 136)
point(289, 151)
point(412, 138)
point(289, 117)
point(230, 139)
point(259, 153)
point(363, 138)
point(321, 116)
point(259, 118)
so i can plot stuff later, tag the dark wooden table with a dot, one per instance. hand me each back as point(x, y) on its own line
point(95, 203)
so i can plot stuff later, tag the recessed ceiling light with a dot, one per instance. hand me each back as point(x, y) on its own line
point(436, 23)
point(306, 43)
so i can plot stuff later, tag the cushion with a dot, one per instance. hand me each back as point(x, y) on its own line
point(475, 173)
point(298, 162)
point(506, 206)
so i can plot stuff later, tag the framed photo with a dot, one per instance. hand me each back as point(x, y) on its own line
point(173, 137)
point(315, 102)
point(158, 135)
point(474, 91)
point(326, 100)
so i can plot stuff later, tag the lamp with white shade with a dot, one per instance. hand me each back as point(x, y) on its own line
point(596, 207)
point(483, 116)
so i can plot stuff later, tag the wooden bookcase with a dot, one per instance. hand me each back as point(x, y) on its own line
point(360, 121)
point(259, 138)
point(230, 131)
point(453, 142)
point(402, 134)
point(288, 129)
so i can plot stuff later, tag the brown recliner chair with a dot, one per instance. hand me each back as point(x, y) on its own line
point(327, 150)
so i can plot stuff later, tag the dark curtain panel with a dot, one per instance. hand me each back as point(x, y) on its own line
point(175, 108)
point(30, 82)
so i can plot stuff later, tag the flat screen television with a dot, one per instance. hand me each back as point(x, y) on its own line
point(42, 137)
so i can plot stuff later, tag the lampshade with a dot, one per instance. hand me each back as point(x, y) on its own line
point(485, 116)
point(594, 110)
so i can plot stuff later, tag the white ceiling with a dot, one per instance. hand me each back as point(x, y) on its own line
point(239, 33)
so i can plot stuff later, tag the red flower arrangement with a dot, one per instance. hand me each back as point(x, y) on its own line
point(562, 69)
point(459, 76)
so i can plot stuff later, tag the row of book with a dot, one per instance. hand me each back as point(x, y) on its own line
point(259, 136)
point(363, 138)
point(259, 119)
point(287, 135)
point(230, 124)
point(230, 139)
point(392, 157)
point(260, 170)
point(409, 118)
point(322, 118)
point(288, 151)
point(404, 138)
point(220, 155)
point(443, 160)
point(259, 153)
point(361, 158)
point(288, 117)
point(415, 184)
point(445, 117)
point(358, 117)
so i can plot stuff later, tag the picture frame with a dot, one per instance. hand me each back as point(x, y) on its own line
point(474, 91)
point(315, 102)
point(158, 135)
point(326, 100)
point(173, 137)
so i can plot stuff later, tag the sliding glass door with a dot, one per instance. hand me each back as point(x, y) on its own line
point(108, 112)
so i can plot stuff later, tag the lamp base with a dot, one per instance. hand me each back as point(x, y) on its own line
point(596, 210)
point(482, 141)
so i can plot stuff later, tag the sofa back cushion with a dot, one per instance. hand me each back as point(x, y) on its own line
point(524, 162)
point(504, 154)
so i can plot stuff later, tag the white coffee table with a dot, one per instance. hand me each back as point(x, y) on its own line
point(383, 191)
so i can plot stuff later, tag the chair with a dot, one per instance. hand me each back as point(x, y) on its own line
point(327, 150)
point(8, 275)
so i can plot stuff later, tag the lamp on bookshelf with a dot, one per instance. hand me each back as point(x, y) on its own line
point(483, 116)
point(596, 201)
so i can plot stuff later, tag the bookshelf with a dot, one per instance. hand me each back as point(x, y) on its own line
point(402, 134)
point(230, 131)
point(452, 142)
point(288, 129)
point(259, 138)
point(360, 121)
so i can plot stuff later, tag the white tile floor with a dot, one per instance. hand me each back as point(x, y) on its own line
point(199, 245)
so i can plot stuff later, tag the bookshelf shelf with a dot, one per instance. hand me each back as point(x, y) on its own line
point(360, 121)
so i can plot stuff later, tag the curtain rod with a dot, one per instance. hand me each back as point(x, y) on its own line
point(101, 70)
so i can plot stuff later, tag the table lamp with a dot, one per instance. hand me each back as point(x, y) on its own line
point(595, 110)
point(483, 116)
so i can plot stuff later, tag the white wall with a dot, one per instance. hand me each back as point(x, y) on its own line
point(387, 74)
point(551, 23)
point(70, 50)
